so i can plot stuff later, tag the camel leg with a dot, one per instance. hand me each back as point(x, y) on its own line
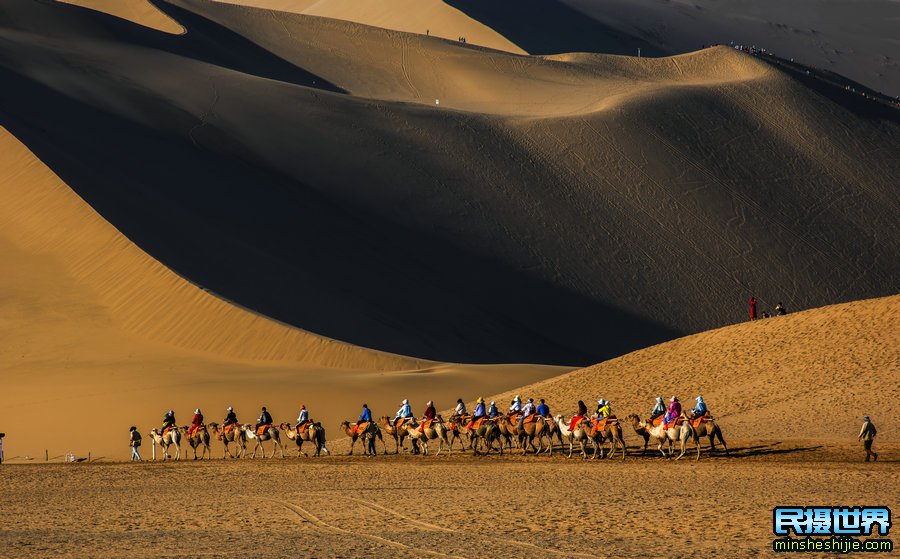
point(718, 433)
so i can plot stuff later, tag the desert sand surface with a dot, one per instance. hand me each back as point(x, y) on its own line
point(445, 507)
point(607, 203)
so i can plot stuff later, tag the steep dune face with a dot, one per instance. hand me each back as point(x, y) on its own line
point(810, 375)
point(98, 336)
point(138, 11)
point(562, 209)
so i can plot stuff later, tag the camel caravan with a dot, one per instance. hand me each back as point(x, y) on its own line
point(528, 428)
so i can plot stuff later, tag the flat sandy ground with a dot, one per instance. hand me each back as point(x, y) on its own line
point(437, 506)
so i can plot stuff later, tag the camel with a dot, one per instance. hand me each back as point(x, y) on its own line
point(579, 435)
point(313, 432)
point(553, 429)
point(437, 430)
point(456, 428)
point(711, 430)
point(508, 431)
point(681, 433)
point(488, 432)
point(528, 433)
point(236, 436)
point(612, 433)
point(199, 439)
point(368, 436)
point(171, 438)
point(398, 434)
point(271, 432)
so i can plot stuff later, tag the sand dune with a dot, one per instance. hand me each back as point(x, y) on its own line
point(138, 11)
point(98, 335)
point(606, 202)
point(810, 375)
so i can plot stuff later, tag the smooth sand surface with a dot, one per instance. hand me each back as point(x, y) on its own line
point(427, 507)
point(300, 167)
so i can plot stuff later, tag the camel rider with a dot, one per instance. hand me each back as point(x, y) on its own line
point(365, 416)
point(168, 421)
point(460, 408)
point(405, 412)
point(515, 406)
point(700, 409)
point(493, 411)
point(430, 414)
point(196, 422)
point(479, 411)
point(658, 409)
point(264, 419)
point(579, 415)
point(302, 419)
point(603, 409)
point(674, 411)
point(543, 409)
point(230, 418)
point(527, 411)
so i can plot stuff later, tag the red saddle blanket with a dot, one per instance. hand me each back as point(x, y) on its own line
point(656, 421)
point(600, 425)
point(702, 419)
point(477, 423)
point(426, 424)
point(262, 430)
point(192, 430)
point(303, 426)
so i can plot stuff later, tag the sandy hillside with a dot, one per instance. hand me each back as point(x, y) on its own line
point(137, 11)
point(778, 378)
point(852, 38)
point(99, 336)
point(607, 203)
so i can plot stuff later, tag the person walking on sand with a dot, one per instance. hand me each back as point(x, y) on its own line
point(867, 435)
point(134, 442)
point(1, 446)
point(752, 307)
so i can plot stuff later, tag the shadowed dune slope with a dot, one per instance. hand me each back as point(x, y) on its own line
point(807, 375)
point(557, 209)
point(100, 336)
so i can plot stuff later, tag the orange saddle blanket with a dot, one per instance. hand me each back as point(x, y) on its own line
point(426, 424)
point(229, 428)
point(262, 430)
point(530, 419)
point(656, 421)
point(361, 427)
point(699, 420)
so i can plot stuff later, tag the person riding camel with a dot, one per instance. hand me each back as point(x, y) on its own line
point(364, 417)
point(493, 411)
point(264, 419)
point(230, 418)
point(527, 411)
point(478, 413)
point(658, 409)
point(673, 413)
point(195, 423)
point(515, 406)
point(302, 419)
point(168, 422)
point(430, 414)
point(405, 412)
point(700, 409)
point(543, 409)
point(579, 415)
point(460, 408)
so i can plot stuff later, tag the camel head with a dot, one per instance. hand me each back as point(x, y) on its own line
point(345, 424)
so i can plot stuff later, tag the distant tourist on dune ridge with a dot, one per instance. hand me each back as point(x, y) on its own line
point(134, 441)
point(765, 314)
point(1, 446)
point(780, 310)
point(867, 435)
point(752, 307)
